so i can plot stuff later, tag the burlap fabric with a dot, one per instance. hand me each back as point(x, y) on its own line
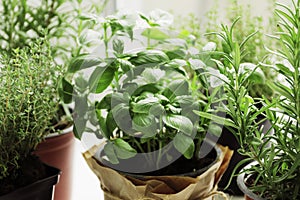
point(120, 187)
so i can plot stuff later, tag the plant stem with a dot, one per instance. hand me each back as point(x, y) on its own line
point(160, 146)
point(105, 39)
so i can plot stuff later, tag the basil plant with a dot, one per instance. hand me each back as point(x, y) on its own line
point(142, 101)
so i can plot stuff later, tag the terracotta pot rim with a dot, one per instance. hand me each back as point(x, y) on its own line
point(62, 132)
point(242, 178)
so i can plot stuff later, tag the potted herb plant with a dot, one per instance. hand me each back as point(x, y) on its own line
point(27, 22)
point(275, 172)
point(63, 27)
point(154, 143)
point(26, 109)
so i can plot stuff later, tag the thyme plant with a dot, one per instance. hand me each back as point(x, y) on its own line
point(28, 103)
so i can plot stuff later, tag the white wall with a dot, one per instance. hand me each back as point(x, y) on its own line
point(184, 7)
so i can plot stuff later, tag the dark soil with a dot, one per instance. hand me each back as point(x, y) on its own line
point(183, 166)
point(282, 191)
point(30, 171)
point(138, 166)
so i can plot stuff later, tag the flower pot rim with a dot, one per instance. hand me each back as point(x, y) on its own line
point(62, 132)
point(50, 180)
point(242, 178)
point(198, 172)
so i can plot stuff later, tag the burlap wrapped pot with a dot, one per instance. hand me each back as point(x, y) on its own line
point(123, 187)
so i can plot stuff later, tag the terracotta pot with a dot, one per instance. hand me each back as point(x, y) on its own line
point(57, 150)
point(41, 189)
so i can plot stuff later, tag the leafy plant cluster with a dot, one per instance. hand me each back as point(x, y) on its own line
point(276, 173)
point(61, 21)
point(23, 22)
point(148, 99)
point(249, 23)
point(28, 103)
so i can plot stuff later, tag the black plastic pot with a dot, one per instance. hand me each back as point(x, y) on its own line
point(228, 139)
point(40, 190)
point(241, 180)
point(213, 152)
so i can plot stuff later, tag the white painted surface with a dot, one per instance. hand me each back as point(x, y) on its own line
point(86, 185)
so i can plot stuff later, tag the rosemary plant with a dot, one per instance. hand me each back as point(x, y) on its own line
point(277, 168)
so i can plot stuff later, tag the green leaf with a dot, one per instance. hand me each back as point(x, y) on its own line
point(197, 64)
point(283, 15)
point(145, 124)
point(83, 62)
point(256, 75)
point(157, 110)
point(122, 117)
point(184, 145)
point(284, 70)
point(105, 79)
point(125, 65)
point(149, 57)
point(119, 98)
point(216, 119)
point(179, 122)
point(155, 34)
point(215, 129)
point(178, 87)
point(144, 105)
point(105, 103)
point(282, 90)
point(123, 149)
point(236, 55)
point(79, 127)
point(110, 153)
point(173, 109)
point(65, 91)
point(81, 84)
point(143, 120)
point(110, 124)
point(177, 63)
point(102, 123)
point(184, 100)
point(160, 18)
point(176, 54)
point(153, 75)
point(118, 46)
